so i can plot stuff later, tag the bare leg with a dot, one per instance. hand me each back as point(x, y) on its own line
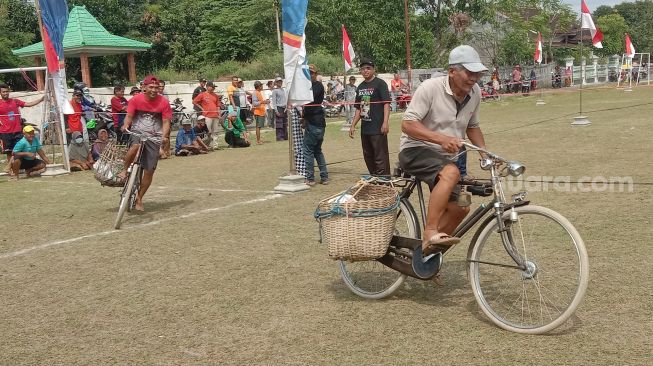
point(439, 200)
point(35, 171)
point(201, 145)
point(129, 159)
point(258, 135)
point(452, 217)
point(9, 168)
point(15, 167)
point(145, 184)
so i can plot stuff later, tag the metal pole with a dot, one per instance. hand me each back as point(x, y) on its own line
point(582, 74)
point(291, 153)
point(35, 68)
point(408, 63)
point(276, 11)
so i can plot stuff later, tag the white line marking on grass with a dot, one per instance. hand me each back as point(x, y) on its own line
point(151, 223)
point(162, 187)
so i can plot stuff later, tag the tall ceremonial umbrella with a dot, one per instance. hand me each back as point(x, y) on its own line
point(53, 19)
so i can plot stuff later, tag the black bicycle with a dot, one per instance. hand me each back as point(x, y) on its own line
point(527, 264)
point(133, 180)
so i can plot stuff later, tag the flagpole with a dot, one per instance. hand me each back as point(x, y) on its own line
point(345, 126)
point(53, 99)
point(581, 120)
point(408, 63)
point(582, 74)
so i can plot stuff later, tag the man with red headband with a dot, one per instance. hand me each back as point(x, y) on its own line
point(149, 114)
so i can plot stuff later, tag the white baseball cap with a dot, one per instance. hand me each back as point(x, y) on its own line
point(468, 57)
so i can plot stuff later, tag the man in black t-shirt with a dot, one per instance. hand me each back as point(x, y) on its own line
point(373, 109)
point(314, 123)
point(200, 89)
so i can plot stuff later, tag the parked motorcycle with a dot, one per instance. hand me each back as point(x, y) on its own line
point(489, 92)
point(333, 104)
point(103, 120)
point(178, 113)
point(556, 80)
point(525, 87)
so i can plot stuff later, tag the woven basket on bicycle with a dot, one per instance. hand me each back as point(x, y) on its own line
point(357, 224)
point(110, 163)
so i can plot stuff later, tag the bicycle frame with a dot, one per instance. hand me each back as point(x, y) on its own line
point(499, 204)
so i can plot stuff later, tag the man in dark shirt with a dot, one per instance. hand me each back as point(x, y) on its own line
point(200, 89)
point(373, 109)
point(314, 123)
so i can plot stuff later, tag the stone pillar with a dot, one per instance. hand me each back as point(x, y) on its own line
point(86, 71)
point(595, 64)
point(131, 67)
point(40, 77)
point(613, 68)
point(569, 63)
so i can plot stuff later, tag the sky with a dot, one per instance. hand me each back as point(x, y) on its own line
point(592, 4)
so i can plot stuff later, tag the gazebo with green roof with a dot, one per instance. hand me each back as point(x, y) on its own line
point(85, 37)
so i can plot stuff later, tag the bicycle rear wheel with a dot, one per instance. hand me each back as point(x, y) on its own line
point(126, 195)
point(545, 294)
point(372, 279)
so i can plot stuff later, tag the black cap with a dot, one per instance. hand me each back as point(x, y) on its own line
point(366, 61)
point(210, 83)
point(202, 80)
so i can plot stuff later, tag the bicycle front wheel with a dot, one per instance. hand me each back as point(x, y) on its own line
point(545, 294)
point(372, 279)
point(126, 196)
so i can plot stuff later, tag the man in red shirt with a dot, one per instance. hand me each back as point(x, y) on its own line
point(74, 121)
point(118, 108)
point(10, 125)
point(149, 114)
point(209, 103)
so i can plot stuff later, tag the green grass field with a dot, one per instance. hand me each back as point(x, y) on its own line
point(219, 270)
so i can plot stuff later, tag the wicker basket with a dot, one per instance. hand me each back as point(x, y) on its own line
point(110, 163)
point(360, 230)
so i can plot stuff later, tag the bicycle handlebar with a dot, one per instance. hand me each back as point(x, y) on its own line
point(143, 137)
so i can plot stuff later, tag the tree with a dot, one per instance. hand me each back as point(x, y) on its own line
point(639, 18)
point(19, 26)
point(613, 27)
point(238, 30)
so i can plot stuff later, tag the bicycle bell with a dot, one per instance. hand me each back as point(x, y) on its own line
point(486, 163)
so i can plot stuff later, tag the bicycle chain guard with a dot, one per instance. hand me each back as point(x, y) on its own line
point(426, 269)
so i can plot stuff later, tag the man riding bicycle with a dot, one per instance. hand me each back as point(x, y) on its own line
point(148, 114)
point(443, 109)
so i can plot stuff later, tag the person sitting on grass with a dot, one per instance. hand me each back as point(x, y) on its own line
point(187, 142)
point(236, 135)
point(25, 152)
point(79, 153)
point(202, 131)
point(100, 144)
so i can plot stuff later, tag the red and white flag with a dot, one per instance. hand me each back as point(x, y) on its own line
point(538, 49)
point(347, 50)
point(586, 22)
point(630, 48)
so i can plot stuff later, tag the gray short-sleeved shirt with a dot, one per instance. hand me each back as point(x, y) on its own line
point(434, 106)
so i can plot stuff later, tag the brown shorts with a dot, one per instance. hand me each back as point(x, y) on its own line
point(150, 156)
point(425, 163)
